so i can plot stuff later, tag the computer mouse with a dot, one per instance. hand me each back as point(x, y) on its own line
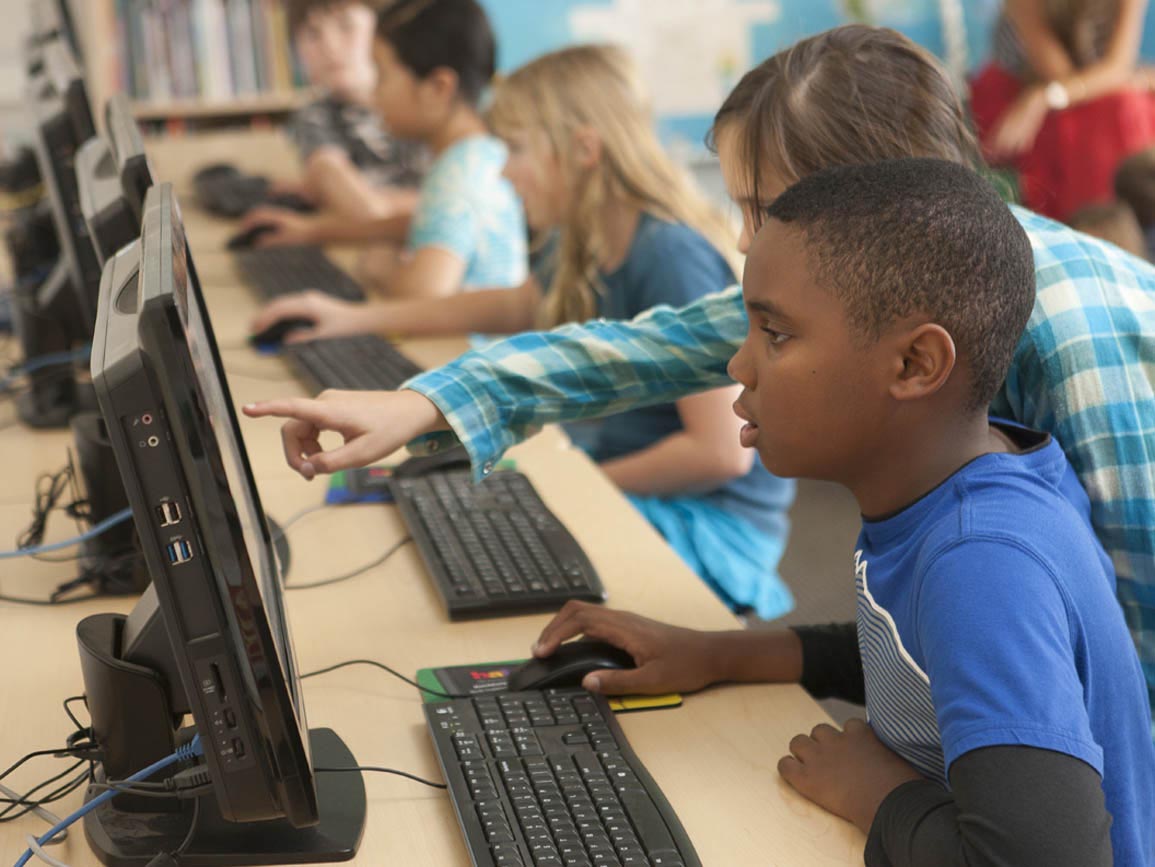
point(248, 238)
point(568, 665)
point(419, 465)
point(273, 336)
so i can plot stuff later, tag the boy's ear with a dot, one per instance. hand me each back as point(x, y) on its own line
point(927, 359)
point(587, 147)
point(442, 83)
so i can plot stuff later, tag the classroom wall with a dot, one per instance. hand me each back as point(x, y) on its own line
point(693, 51)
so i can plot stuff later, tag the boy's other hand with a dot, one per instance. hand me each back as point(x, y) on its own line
point(848, 772)
point(668, 658)
point(331, 317)
point(373, 424)
point(288, 227)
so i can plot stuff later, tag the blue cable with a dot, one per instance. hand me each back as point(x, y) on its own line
point(48, 360)
point(187, 752)
point(109, 522)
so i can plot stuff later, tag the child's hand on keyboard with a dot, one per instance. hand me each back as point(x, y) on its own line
point(288, 227)
point(331, 317)
point(373, 424)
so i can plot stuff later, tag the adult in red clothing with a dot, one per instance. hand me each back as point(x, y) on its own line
point(1063, 100)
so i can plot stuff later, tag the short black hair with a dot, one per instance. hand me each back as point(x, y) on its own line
point(909, 236)
point(455, 34)
point(298, 11)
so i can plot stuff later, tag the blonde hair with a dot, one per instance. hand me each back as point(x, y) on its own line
point(597, 86)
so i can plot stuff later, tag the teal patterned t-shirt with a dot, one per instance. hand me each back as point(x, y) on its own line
point(469, 209)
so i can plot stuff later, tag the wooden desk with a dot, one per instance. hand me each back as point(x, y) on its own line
point(714, 757)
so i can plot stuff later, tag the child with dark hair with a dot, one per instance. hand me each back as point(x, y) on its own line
point(352, 166)
point(1001, 685)
point(434, 60)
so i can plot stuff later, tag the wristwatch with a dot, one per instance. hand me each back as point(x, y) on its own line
point(1056, 95)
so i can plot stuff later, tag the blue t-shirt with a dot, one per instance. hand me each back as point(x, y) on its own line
point(987, 617)
point(670, 263)
point(469, 209)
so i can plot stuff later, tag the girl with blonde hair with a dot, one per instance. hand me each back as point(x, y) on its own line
point(626, 231)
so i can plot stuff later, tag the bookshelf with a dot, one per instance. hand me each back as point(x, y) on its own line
point(194, 62)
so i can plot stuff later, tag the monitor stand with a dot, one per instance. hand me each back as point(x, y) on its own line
point(47, 324)
point(127, 839)
point(136, 707)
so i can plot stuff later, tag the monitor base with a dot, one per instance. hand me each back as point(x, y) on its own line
point(124, 839)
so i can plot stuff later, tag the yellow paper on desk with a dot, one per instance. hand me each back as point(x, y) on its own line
point(629, 703)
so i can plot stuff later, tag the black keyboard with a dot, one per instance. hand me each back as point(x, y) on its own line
point(494, 548)
point(547, 779)
point(234, 195)
point(363, 362)
point(277, 271)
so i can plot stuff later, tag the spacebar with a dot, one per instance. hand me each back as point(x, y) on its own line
point(647, 820)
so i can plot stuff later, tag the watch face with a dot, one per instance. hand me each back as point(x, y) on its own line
point(1056, 96)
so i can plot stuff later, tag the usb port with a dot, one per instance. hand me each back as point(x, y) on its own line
point(178, 552)
point(169, 513)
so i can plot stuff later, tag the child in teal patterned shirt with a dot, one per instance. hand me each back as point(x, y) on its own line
point(434, 60)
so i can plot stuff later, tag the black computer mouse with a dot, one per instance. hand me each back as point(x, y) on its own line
point(275, 334)
point(568, 665)
point(248, 238)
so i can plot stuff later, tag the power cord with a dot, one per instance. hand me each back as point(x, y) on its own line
point(393, 771)
point(385, 668)
point(348, 575)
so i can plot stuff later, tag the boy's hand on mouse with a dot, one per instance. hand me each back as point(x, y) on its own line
point(288, 227)
point(373, 424)
point(331, 317)
point(668, 658)
point(848, 772)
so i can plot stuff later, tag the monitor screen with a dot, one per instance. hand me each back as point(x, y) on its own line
point(171, 419)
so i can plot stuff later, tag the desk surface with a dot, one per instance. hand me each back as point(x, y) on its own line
point(714, 757)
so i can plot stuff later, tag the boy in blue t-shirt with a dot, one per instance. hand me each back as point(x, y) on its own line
point(1008, 720)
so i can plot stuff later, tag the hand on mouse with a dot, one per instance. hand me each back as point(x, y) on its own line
point(668, 658)
point(331, 317)
point(373, 424)
point(288, 227)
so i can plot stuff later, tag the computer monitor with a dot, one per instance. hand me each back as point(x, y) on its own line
point(109, 219)
point(136, 174)
point(58, 314)
point(210, 636)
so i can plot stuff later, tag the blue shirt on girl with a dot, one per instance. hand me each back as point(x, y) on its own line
point(987, 617)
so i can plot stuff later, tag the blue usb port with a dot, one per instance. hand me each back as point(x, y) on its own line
point(179, 552)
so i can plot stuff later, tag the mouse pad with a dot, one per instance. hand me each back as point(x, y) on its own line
point(489, 677)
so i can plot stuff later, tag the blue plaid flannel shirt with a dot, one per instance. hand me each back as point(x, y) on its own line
point(1084, 371)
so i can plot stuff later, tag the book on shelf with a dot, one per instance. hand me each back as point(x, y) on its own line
point(210, 51)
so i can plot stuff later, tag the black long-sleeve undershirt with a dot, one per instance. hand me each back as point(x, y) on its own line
point(1007, 805)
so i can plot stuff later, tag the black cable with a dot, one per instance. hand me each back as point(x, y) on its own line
point(192, 828)
point(384, 667)
point(71, 715)
point(328, 581)
point(59, 753)
point(17, 600)
point(29, 804)
point(407, 776)
point(134, 789)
